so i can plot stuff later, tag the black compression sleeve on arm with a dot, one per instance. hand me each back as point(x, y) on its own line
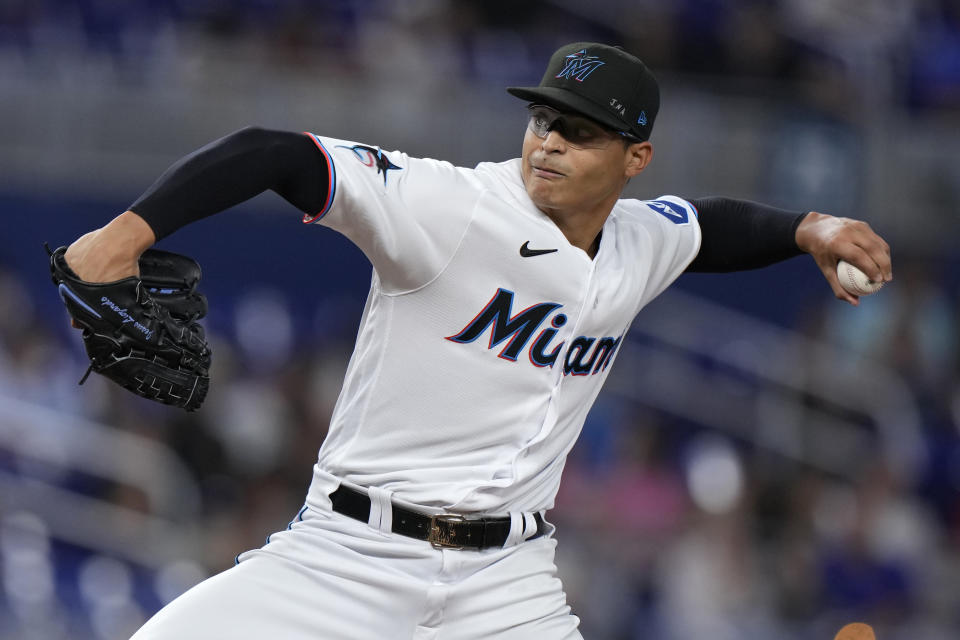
point(739, 235)
point(233, 169)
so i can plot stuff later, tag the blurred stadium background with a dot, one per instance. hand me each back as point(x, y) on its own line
point(765, 462)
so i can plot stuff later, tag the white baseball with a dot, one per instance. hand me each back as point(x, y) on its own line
point(856, 281)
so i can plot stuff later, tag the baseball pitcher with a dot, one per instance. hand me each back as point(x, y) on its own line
point(500, 297)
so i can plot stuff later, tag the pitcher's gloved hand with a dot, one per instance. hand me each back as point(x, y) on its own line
point(143, 333)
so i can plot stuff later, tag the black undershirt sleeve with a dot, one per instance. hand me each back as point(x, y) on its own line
point(233, 169)
point(739, 235)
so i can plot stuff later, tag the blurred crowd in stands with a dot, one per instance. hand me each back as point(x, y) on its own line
point(668, 530)
point(907, 51)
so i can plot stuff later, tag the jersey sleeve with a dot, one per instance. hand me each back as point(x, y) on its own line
point(673, 233)
point(406, 214)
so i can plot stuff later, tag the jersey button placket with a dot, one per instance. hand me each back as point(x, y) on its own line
point(572, 327)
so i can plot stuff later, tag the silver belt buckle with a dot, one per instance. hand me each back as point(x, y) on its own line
point(443, 537)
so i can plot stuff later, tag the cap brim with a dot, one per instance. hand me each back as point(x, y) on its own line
point(568, 101)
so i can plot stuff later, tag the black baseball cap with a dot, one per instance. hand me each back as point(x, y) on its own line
point(604, 83)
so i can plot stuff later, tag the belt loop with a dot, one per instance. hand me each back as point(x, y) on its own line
point(529, 526)
point(381, 509)
point(516, 529)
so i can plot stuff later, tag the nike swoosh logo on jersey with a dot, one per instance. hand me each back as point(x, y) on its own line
point(527, 252)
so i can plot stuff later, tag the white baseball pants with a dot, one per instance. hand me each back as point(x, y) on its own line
point(330, 576)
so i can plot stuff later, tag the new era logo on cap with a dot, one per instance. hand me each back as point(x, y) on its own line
point(603, 83)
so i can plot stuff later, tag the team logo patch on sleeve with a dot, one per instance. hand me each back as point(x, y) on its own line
point(669, 210)
point(372, 158)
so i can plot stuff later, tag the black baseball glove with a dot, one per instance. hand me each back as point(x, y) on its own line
point(143, 333)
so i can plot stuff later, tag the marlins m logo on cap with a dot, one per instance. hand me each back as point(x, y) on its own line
point(624, 96)
point(579, 65)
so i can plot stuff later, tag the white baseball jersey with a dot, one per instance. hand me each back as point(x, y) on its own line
point(485, 339)
point(486, 335)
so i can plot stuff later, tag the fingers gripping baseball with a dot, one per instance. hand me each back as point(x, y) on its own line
point(829, 239)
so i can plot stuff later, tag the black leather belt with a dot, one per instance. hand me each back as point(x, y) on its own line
point(444, 531)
